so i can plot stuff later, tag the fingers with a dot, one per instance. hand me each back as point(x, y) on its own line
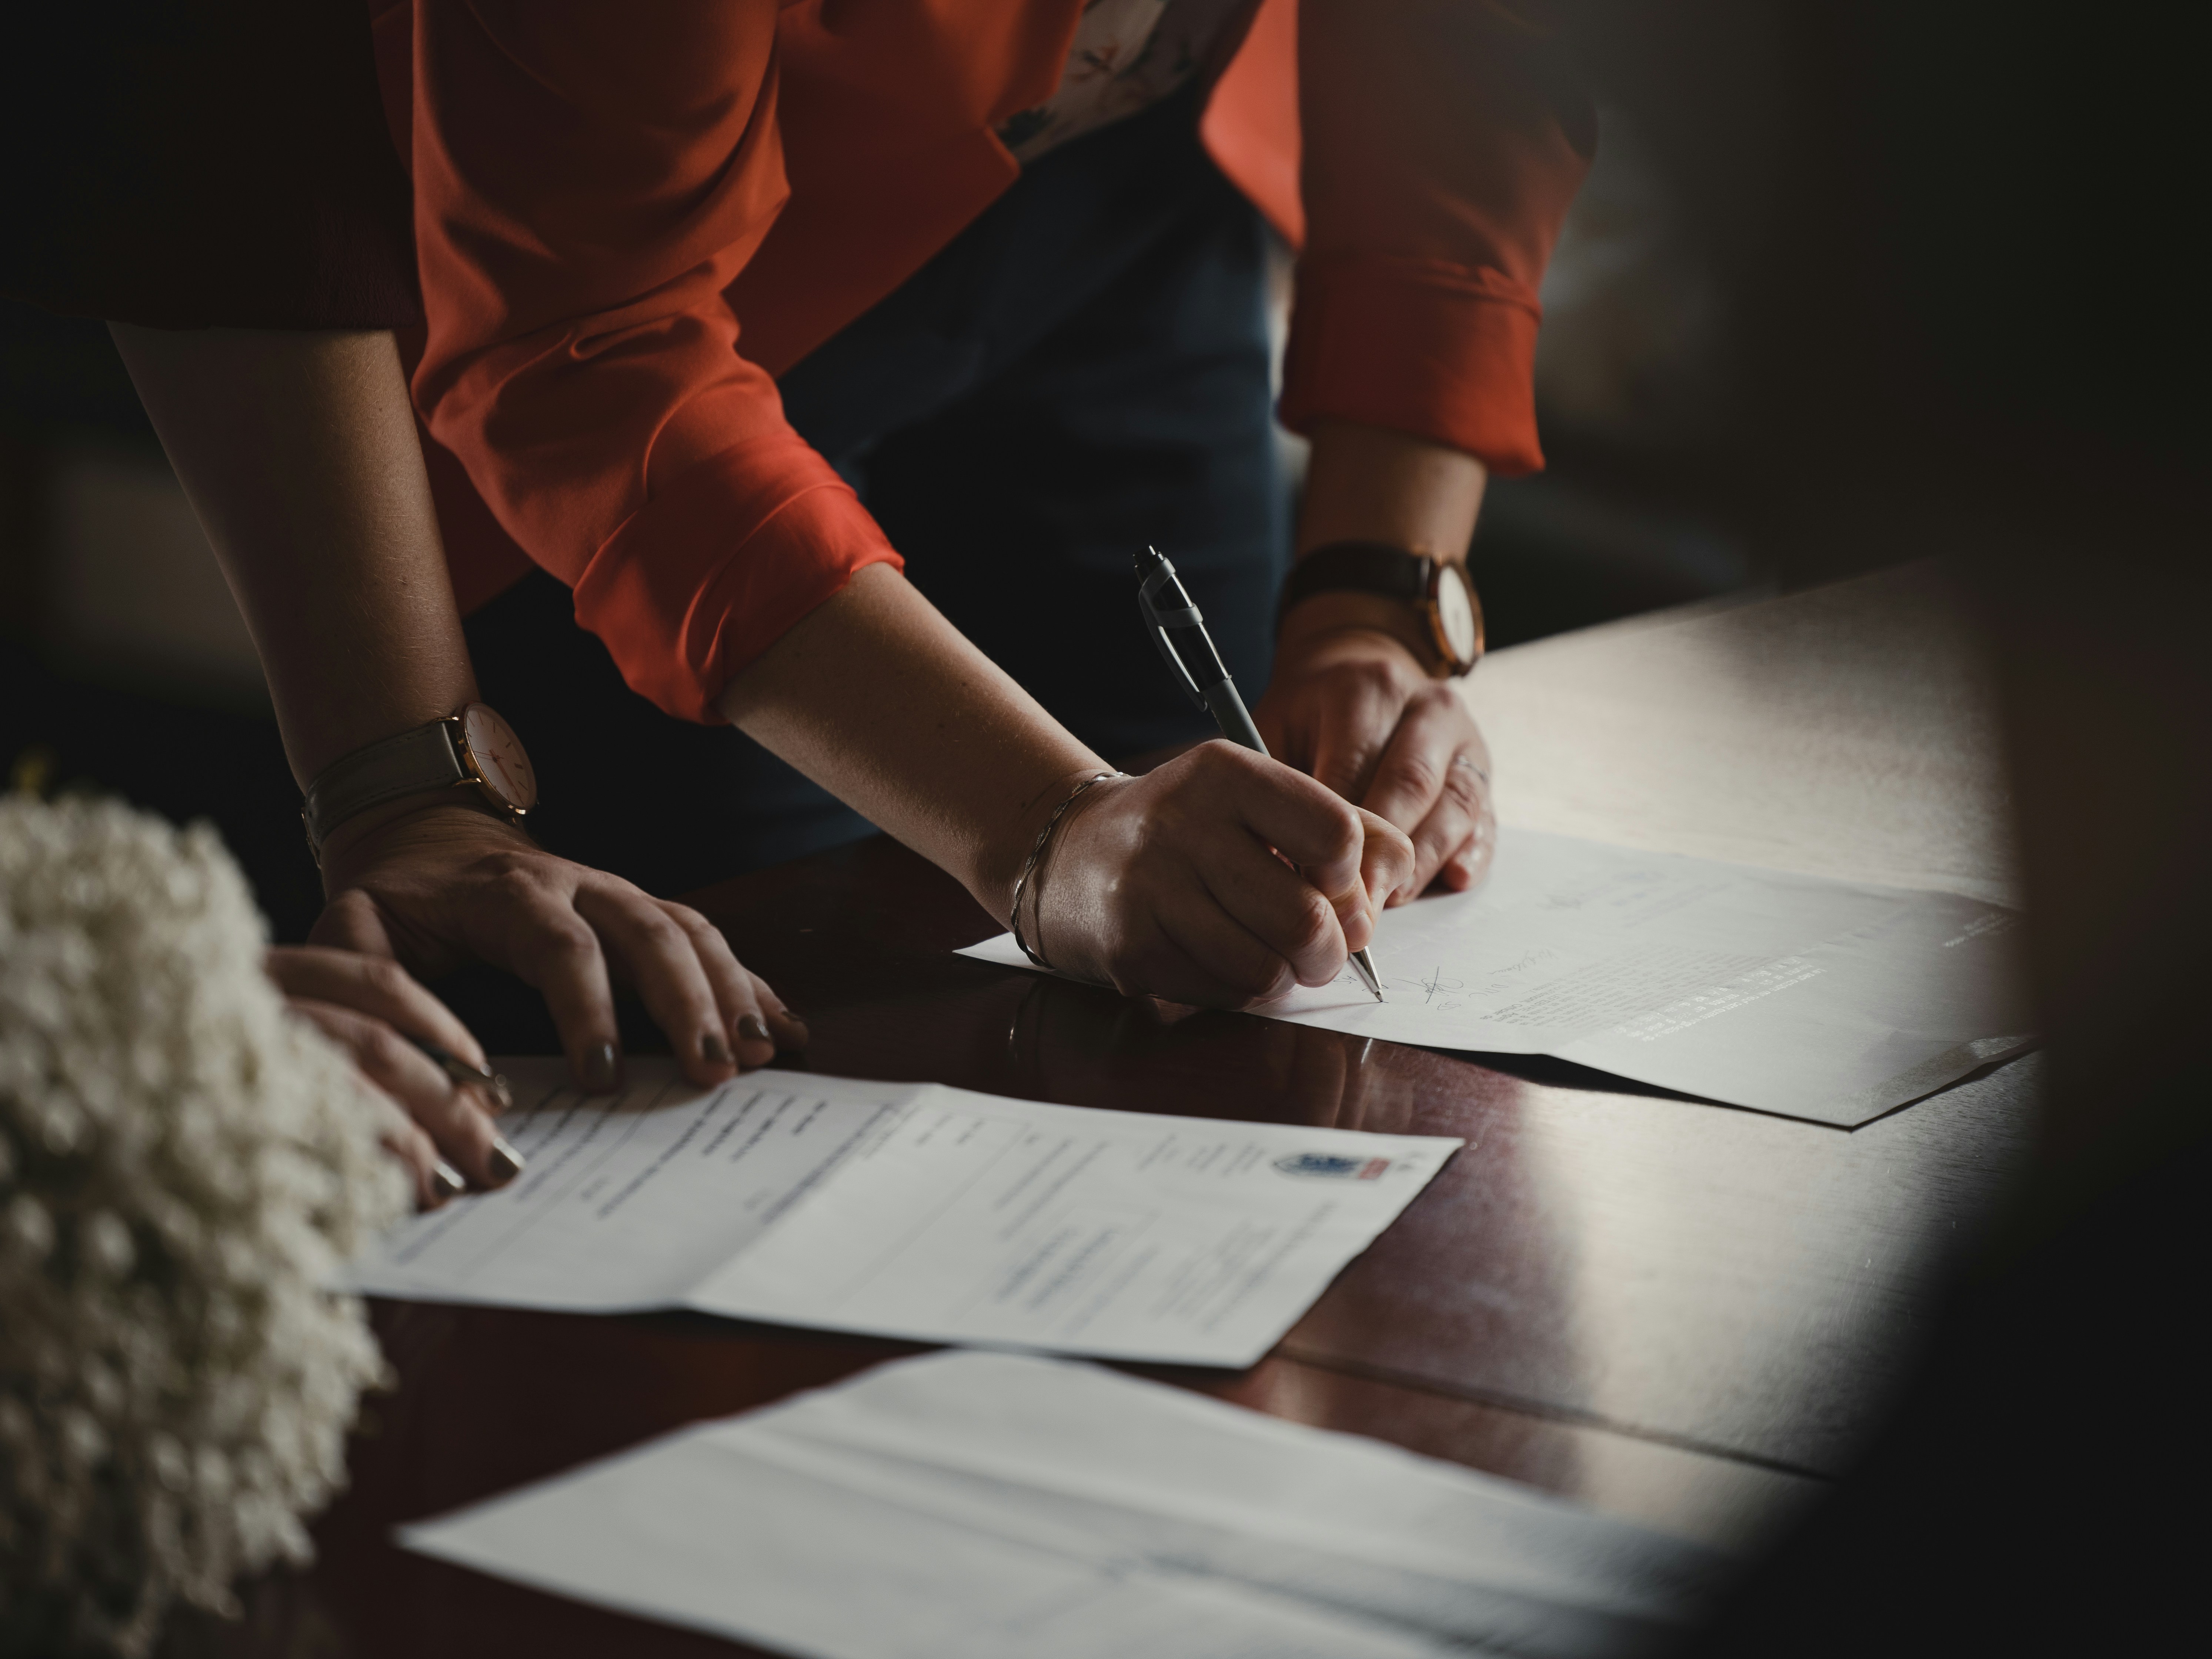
point(1211, 961)
point(528, 925)
point(351, 922)
point(759, 1024)
point(661, 960)
point(400, 1137)
point(1312, 826)
point(1257, 902)
point(1449, 828)
point(1411, 772)
point(452, 1116)
point(1387, 857)
point(1354, 728)
point(373, 985)
point(1466, 867)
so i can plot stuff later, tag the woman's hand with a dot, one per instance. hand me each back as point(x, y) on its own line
point(1222, 878)
point(1351, 704)
point(436, 885)
point(369, 1006)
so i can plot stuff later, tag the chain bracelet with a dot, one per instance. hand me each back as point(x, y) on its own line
point(1029, 868)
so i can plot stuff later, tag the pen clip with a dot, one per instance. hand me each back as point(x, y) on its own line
point(1156, 622)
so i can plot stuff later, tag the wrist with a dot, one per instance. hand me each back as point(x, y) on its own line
point(1321, 616)
point(1000, 861)
point(350, 839)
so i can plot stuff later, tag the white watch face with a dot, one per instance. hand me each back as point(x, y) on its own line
point(497, 752)
point(1455, 611)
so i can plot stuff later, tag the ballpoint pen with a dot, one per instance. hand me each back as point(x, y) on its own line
point(1179, 632)
point(462, 1072)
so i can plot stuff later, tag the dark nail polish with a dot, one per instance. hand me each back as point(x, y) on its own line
point(753, 1028)
point(445, 1180)
point(716, 1051)
point(602, 1066)
point(506, 1162)
point(802, 1034)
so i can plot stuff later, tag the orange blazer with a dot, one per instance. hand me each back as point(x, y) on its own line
point(628, 220)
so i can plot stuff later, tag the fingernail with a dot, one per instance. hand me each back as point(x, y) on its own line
point(445, 1180)
point(602, 1066)
point(804, 1034)
point(753, 1028)
point(716, 1051)
point(506, 1162)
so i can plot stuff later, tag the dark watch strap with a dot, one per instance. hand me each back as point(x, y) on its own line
point(424, 758)
point(1358, 567)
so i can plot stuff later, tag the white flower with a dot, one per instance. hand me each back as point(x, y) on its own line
point(181, 1166)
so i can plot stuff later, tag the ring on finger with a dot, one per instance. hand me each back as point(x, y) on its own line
point(1468, 761)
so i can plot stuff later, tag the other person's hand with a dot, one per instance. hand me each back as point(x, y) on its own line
point(1222, 878)
point(437, 885)
point(1351, 704)
point(371, 1007)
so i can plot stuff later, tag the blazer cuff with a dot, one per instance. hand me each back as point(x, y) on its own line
point(1442, 351)
point(701, 580)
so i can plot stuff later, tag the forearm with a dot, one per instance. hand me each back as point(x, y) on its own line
point(298, 453)
point(1367, 483)
point(884, 703)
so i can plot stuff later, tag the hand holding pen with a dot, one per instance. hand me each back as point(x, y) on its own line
point(1178, 630)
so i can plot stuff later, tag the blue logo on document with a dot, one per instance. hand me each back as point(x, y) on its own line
point(1332, 1166)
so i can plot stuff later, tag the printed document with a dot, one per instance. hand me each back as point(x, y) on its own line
point(910, 1210)
point(987, 1505)
point(1795, 994)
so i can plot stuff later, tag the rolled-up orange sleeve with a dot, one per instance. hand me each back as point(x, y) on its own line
point(1442, 141)
point(588, 182)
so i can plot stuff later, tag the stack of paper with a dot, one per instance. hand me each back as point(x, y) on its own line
point(913, 1210)
point(1822, 1000)
point(982, 1505)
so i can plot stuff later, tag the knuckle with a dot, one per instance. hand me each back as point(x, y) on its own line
point(386, 977)
point(511, 881)
point(690, 922)
point(379, 1047)
point(1416, 773)
point(1350, 830)
point(1316, 923)
point(568, 936)
point(1462, 788)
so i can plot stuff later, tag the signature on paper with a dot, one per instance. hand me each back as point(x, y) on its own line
point(1436, 986)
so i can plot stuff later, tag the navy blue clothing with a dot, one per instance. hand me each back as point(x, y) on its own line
point(1082, 371)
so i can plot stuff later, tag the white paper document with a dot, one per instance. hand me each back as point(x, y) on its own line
point(1815, 998)
point(995, 1506)
point(910, 1210)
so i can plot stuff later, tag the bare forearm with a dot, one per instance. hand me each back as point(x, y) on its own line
point(1368, 483)
point(299, 453)
point(881, 700)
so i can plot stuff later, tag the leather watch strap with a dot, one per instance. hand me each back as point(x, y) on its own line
point(424, 758)
point(1358, 568)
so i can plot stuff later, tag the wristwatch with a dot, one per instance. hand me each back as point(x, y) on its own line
point(470, 749)
point(1436, 589)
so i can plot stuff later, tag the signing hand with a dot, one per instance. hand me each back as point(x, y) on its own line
point(1351, 704)
point(442, 1130)
point(437, 885)
point(1180, 883)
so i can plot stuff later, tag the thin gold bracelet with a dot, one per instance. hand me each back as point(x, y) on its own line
point(1029, 869)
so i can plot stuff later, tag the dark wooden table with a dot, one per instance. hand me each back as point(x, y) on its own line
point(1677, 1312)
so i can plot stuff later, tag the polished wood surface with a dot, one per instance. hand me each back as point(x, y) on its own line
point(1681, 1312)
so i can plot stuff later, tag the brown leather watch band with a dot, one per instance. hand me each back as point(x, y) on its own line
point(413, 761)
point(1358, 567)
point(1436, 590)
